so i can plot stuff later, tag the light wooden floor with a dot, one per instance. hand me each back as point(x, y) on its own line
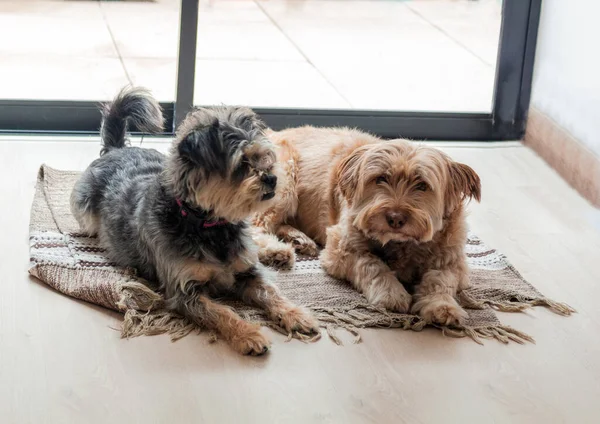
point(60, 361)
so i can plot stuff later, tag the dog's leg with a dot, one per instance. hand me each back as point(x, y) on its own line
point(435, 299)
point(272, 252)
point(255, 287)
point(273, 220)
point(369, 274)
point(300, 241)
point(244, 337)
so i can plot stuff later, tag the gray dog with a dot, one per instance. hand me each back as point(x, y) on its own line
point(180, 220)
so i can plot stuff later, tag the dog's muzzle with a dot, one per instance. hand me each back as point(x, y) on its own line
point(270, 182)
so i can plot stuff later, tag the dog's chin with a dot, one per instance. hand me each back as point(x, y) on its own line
point(267, 196)
point(258, 203)
point(263, 201)
point(385, 236)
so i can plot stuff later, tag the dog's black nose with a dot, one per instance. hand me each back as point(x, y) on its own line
point(269, 180)
point(395, 219)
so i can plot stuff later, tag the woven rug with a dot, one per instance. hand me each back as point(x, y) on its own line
point(75, 264)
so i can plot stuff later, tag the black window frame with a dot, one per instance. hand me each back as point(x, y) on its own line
point(506, 121)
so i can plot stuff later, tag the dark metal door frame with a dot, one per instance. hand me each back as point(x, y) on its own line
point(512, 90)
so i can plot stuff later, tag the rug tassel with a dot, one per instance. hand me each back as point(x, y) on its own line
point(509, 306)
point(332, 335)
point(509, 333)
point(504, 334)
point(136, 323)
point(352, 321)
point(523, 304)
point(306, 338)
point(556, 307)
point(469, 302)
point(474, 336)
point(520, 305)
point(136, 295)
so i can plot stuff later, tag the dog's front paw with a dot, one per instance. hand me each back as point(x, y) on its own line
point(389, 294)
point(395, 301)
point(440, 309)
point(251, 342)
point(280, 256)
point(298, 319)
point(305, 246)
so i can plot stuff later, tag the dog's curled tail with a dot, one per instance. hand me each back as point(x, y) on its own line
point(133, 105)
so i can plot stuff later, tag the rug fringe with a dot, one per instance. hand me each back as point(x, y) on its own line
point(520, 304)
point(353, 321)
point(150, 321)
point(136, 323)
point(559, 308)
point(509, 306)
point(332, 335)
point(502, 333)
point(523, 304)
point(136, 295)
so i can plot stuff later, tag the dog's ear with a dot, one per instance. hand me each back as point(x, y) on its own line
point(246, 119)
point(202, 148)
point(464, 183)
point(347, 174)
point(344, 181)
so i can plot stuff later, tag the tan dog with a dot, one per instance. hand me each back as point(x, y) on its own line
point(389, 213)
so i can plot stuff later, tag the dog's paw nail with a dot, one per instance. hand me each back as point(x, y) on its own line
point(253, 343)
point(258, 351)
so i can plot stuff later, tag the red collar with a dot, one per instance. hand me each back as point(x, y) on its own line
point(205, 223)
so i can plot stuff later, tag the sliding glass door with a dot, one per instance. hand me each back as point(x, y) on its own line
point(427, 69)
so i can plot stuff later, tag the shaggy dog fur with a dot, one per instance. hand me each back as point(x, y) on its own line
point(389, 213)
point(180, 220)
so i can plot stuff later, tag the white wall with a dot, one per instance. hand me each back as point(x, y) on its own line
point(566, 80)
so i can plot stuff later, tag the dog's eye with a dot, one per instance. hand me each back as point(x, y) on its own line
point(422, 186)
point(381, 179)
